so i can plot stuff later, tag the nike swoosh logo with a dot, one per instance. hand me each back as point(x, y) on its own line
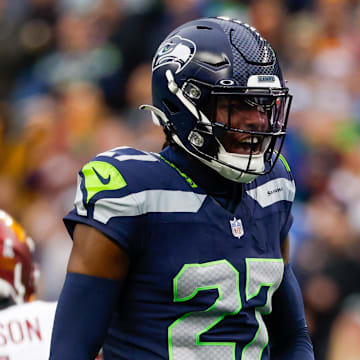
point(103, 180)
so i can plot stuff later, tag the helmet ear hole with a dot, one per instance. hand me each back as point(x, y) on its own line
point(208, 145)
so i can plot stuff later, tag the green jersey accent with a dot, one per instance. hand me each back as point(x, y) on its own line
point(283, 160)
point(100, 176)
point(188, 180)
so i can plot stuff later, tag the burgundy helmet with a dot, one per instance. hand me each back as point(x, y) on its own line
point(17, 270)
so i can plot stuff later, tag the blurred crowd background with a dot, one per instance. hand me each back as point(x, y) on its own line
point(73, 73)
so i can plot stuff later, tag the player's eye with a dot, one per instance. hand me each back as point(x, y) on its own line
point(239, 106)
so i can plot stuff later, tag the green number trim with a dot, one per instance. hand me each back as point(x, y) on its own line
point(247, 292)
point(271, 271)
point(212, 307)
point(258, 310)
point(100, 176)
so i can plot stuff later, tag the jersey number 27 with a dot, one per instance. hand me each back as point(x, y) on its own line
point(184, 334)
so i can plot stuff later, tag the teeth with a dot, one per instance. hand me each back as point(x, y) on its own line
point(248, 140)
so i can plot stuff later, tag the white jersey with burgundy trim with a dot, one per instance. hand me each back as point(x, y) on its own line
point(25, 331)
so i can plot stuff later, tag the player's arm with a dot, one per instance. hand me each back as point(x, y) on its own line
point(289, 335)
point(96, 270)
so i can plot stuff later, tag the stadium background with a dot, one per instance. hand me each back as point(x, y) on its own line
point(73, 72)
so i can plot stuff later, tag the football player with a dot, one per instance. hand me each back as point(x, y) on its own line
point(184, 254)
point(25, 325)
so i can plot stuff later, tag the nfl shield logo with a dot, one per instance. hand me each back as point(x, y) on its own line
point(237, 228)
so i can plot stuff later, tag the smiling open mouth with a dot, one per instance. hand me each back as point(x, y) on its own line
point(246, 145)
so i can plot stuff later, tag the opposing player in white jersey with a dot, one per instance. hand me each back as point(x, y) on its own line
point(25, 325)
point(25, 331)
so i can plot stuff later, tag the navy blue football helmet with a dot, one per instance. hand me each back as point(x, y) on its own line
point(215, 60)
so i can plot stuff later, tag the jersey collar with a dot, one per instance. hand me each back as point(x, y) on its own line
point(207, 178)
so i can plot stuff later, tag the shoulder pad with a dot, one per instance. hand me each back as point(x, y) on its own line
point(116, 172)
point(100, 176)
point(281, 169)
point(126, 153)
point(274, 187)
point(113, 170)
point(127, 182)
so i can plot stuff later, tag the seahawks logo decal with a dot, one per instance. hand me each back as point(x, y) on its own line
point(175, 50)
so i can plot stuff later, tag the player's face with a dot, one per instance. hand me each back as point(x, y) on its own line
point(242, 117)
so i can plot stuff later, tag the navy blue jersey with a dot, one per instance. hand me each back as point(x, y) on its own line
point(201, 276)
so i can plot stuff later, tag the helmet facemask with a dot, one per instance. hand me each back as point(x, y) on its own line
point(240, 131)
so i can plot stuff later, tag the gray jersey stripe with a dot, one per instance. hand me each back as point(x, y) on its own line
point(143, 157)
point(111, 152)
point(148, 201)
point(78, 202)
point(273, 191)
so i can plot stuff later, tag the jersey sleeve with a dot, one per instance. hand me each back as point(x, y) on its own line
point(107, 198)
point(286, 228)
